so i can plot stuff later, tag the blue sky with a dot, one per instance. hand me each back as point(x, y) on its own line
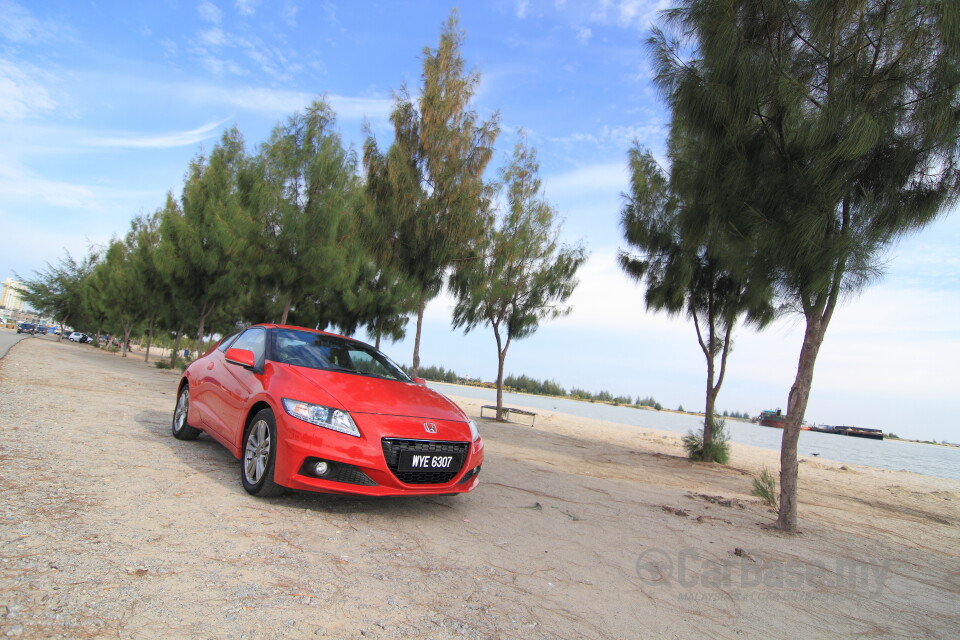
point(103, 104)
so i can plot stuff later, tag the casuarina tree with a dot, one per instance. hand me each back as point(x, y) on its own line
point(700, 274)
point(520, 274)
point(428, 189)
point(303, 228)
point(59, 290)
point(838, 123)
point(202, 240)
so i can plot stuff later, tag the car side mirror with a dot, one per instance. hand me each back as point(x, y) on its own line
point(420, 381)
point(242, 357)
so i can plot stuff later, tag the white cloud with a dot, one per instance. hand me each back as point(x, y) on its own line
point(621, 136)
point(17, 25)
point(522, 6)
point(210, 12)
point(606, 299)
point(163, 141)
point(603, 178)
point(583, 35)
point(17, 184)
point(246, 7)
point(351, 108)
point(21, 95)
point(290, 10)
point(637, 14)
point(213, 37)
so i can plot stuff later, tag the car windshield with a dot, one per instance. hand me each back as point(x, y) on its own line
point(332, 353)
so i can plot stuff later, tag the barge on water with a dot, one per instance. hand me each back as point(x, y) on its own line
point(856, 432)
point(772, 418)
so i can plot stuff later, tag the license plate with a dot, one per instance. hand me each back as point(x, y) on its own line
point(413, 461)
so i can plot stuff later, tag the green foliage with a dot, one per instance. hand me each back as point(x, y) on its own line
point(519, 275)
point(649, 401)
point(60, 290)
point(437, 374)
point(832, 131)
point(304, 244)
point(202, 255)
point(765, 488)
point(718, 449)
point(526, 384)
point(426, 195)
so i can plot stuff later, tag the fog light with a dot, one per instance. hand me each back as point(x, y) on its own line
point(321, 468)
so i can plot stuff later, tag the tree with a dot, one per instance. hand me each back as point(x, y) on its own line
point(305, 239)
point(521, 275)
point(839, 122)
point(144, 240)
point(121, 293)
point(380, 301)
point(58, 290)
point(698, 274)
point(202, 250)
point(175, 278)
point(428, 189)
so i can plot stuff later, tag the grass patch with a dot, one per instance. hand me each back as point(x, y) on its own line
point(765, 488)
point(719, 446)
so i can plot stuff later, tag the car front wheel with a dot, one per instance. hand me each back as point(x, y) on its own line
point(181, 429)
point(259, 456)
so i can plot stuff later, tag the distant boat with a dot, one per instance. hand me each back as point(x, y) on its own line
point(856, 432)
point(771, 418)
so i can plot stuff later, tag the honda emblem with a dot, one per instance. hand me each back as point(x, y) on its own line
point(429, 427)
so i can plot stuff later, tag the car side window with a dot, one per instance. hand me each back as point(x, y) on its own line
point(226, 342)
point(253, 339)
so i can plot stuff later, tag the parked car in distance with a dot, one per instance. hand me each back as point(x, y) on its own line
point(27, 327)
point(309, 410)
point(76, 336)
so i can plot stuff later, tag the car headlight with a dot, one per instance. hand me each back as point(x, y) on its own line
point(473, 430)
point(326, 417)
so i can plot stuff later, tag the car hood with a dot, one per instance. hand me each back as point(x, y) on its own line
point(364, 394)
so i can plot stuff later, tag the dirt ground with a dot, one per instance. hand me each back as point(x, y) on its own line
point(579, 529)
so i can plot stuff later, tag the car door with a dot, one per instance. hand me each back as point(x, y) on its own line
point(207, 389)
point(240, 384)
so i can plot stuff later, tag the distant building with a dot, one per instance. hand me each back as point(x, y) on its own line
point(12, 299)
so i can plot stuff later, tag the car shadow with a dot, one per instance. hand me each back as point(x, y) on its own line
point(206, 455)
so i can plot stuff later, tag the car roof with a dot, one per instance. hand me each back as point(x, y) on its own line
point(270, 325)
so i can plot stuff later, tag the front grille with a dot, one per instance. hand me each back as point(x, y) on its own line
point(392, 449)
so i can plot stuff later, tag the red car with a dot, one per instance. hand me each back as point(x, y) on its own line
point(315, 411)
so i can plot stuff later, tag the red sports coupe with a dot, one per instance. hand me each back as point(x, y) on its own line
point(310, 410)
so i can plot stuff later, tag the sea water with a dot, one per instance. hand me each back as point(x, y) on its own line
point(930, 460)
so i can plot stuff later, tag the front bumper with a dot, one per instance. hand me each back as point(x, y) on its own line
point(367, 465)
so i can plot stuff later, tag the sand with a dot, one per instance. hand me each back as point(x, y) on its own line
point(579, 529)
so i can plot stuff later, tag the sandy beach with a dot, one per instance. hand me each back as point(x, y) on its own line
point(579, 529)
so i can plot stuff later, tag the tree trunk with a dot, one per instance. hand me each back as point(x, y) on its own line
point(203, 319)
point(708, 416)
point(125, 347)
point(286, 308)
point(796, 408)
point(176, 346)
point(501, 357)
point(422, 305)
point(146, 358)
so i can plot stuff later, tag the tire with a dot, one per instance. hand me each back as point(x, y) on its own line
point(259, 456)
point(180, 427)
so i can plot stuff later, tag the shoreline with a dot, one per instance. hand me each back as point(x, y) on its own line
point(694, 414)
point(763, 438)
